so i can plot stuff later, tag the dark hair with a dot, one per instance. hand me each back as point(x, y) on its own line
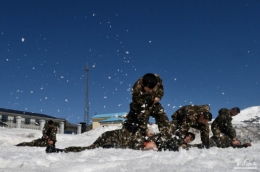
point(207, 115)
point(149, 80)
point(50, 122)
point(192, 135)
point(236, 108)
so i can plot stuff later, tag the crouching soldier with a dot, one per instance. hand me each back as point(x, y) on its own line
point(223, 124)
point(195, 116)
point(147, 92)
point(225, 142)
point(48, 137)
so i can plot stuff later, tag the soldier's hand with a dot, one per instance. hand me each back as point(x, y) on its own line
point(184, 145)
point(50, 142)
point(156, 100)
point(150, 146)
point(248, 144)
point(149, 133)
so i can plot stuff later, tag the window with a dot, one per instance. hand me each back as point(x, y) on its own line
point(4, 118)
point(27, 121)
point(14, 120)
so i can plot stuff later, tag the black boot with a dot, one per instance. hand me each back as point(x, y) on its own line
point(51, 149)
point(20, 144)
point(59, 150)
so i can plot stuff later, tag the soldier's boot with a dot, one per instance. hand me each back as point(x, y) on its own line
point(51, 149)
point(108, 146)
point(20, 144)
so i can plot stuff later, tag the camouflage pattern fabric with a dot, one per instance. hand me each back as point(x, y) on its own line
point(186, 117)
point(50, 132)
point(225, 142)
point(166, 143)
point(223, 124)
point(142, 107)
point(121, 138)
point(42, 142)
point(38, 142)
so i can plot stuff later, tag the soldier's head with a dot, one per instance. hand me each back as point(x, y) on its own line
point(234, 111)
point(149, 82)
point(189, 137)
point(50, 123)
point(204, 117)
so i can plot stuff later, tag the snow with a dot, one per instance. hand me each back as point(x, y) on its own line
point(13, 159)
point(25, 159)
point(247, 113)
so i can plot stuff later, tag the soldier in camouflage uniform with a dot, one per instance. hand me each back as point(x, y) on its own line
point(121, 138)
point(225, 143)
point(223, 124)
point(49, 137)
point(146, 94)
point(194, 116)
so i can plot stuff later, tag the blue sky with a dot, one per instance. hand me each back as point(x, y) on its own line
point(206, 52)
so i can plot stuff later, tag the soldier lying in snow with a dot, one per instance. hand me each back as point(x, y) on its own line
point(195, 116)
point(123, 139)
point(225, 142)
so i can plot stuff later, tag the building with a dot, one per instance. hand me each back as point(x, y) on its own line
point(27, 120)
point(110, 119)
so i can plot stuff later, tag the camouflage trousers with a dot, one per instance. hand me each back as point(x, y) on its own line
point(113, 139)
point(138, 117)
point(216, 131)
point(38, 142)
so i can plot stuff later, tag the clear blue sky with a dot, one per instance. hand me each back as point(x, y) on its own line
point(207, 52)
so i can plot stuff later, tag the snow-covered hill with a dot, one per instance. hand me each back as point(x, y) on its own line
point(249, 115)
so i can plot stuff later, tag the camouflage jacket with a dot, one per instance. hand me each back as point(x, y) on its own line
point(166, 143)
point(140, 96)
point(141, 106)
point(223, 122)
point(225, 143)
point(50, 132)
point(186, 117)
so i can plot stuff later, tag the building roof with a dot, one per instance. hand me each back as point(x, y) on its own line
point(110, 115)
point(112, 120)
point(3, 124)
point(27, 113)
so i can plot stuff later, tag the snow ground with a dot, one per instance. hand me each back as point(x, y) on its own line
point(25, 159)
